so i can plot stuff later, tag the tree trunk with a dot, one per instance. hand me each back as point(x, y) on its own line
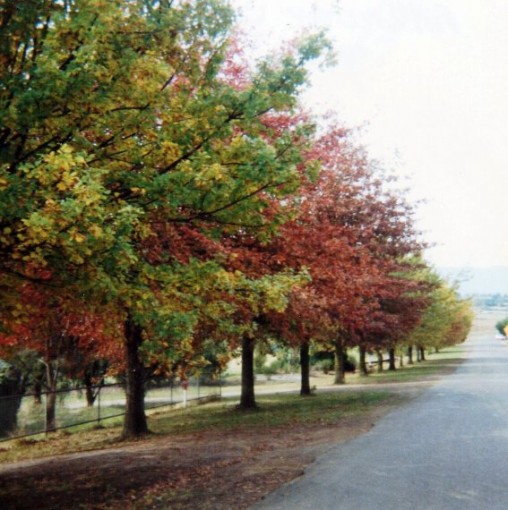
point(37, 393)
point(410, 355)
point(135, 424)
point(422, 353)
point(305, 369)
point(10, 400)
point(340, 373)
point(247, 397)
point(363, 362)
point(379, 354)
point(51, 375)
point(391, 356)
point(89, 393)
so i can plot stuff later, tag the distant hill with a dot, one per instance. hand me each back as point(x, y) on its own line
point(478, 280)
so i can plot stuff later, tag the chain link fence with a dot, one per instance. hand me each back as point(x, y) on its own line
point(25, 415)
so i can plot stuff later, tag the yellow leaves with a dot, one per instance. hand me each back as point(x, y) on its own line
point(67, 181)
point(77, 236)
point(6, 237)
point(76, 258)
point(3, 183)
point(51, 206)
point(96, 231)
point(210, 175)
point(38, 228)
point(36, 257)
point(171, 149)
point(60, 169)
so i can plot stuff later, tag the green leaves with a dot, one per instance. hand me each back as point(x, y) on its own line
point(129, 152)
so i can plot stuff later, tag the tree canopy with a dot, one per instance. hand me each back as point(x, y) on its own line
point(158, 194)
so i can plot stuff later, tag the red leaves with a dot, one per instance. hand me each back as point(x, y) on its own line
point(57, 324)
point(350, 234)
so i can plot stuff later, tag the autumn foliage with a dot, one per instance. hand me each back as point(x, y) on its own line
point(161, 198)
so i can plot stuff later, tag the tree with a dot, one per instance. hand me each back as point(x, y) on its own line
point(46, 325)
point(501, 326)
point(352, 235)
point(117, 118)
point(446, 319)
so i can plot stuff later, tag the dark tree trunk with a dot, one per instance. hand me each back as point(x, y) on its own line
point(10, 401)
point(340, 373)
point(391, 357)
point(51, 411)
point(379, 360)
point(410, 355)
point(363, 362)
point(305, 369)
point(37, 393)
point(51, 380)
point(135, 423)
point(89, 392)
point(422, 353)
point(247, 397)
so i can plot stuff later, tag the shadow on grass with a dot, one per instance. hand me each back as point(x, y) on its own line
point(272, 410)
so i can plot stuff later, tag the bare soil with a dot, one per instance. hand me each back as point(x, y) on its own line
point(211, 470)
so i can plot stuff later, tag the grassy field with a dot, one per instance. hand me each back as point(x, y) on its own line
point(72, 410)
point(278, 408)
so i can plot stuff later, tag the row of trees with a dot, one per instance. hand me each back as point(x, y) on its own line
point(162, 203)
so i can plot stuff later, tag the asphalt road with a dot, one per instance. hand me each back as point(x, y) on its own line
point(447, 449)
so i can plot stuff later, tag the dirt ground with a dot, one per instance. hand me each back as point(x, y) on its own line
point(212, 470)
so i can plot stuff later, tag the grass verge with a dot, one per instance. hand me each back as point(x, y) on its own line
point(276, 410)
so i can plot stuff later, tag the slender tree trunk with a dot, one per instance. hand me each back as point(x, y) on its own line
point(391, 357)
point(340, 373)
point(38, 393)
point(363, 362)
point(50, 411)
point(379, 354)
point(305, 369)
point(410, 355)
point(51, 375)
point(247, 397)
point(89, 393)
point(401, 360)
point(422, 353)
point(135, 424)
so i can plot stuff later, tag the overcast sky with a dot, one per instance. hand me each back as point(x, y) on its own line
point(428, 80)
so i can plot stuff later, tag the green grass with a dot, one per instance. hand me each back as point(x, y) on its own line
point(276, 410)
point(273, 411)
point(436, 364)
point(72, 410)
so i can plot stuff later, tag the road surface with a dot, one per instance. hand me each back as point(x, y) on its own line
point(447, 449)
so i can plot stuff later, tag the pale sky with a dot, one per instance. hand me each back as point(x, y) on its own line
point(428, 80)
